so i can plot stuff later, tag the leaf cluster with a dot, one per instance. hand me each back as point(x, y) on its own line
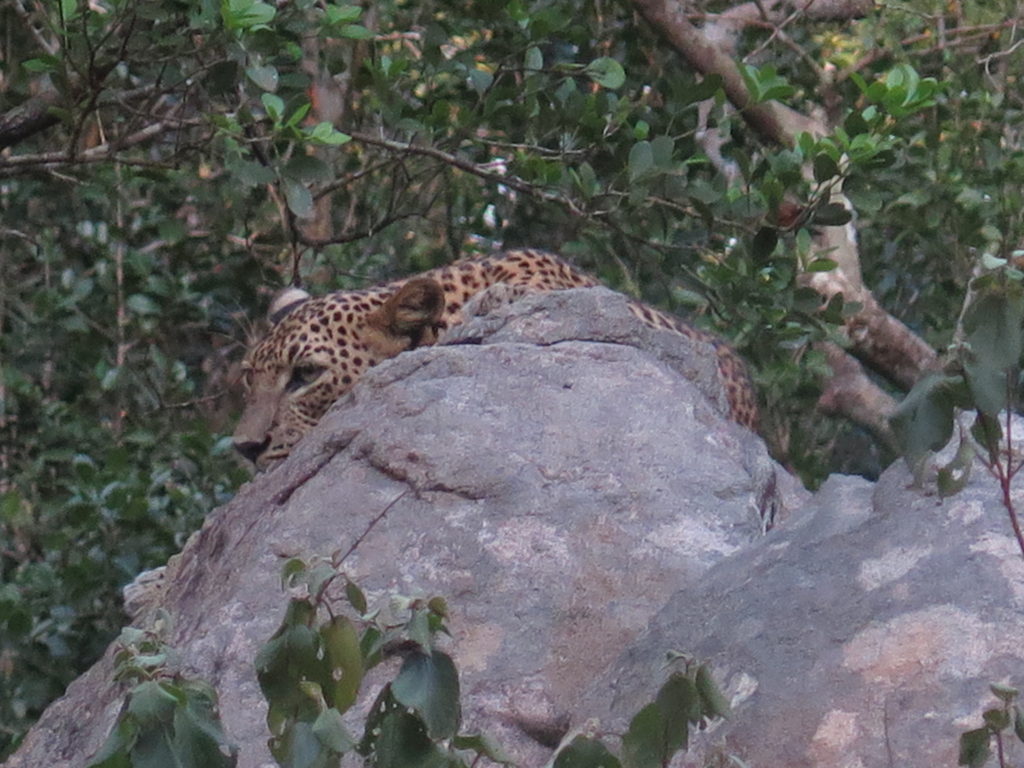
point(167, 719)
point(312, 668)
point(166, 161)
point(976, 744)
point(689, 698)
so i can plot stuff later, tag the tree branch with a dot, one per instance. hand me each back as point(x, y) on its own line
point(28, 119)
point(849, 392)
point(97, 154)
point(878, 338)
point(481, 171)
point(775, 122)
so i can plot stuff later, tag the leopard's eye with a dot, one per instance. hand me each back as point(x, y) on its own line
point(303, 375)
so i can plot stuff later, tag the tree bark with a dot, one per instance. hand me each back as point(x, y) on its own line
point(28, 119)
point(877, 338)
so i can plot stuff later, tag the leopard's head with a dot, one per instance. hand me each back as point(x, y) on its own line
point(317, 349)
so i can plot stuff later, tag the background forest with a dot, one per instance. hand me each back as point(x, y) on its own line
point(817, 180)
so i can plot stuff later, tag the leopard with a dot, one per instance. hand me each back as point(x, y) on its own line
point(317, 348)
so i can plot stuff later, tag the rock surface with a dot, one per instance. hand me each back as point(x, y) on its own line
point(865, 632)
point(554, 476)
point(557, 481)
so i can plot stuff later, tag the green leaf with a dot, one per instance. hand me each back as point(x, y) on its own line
point(641, 160)
point(924, 420)
point(832, 215)
point(41, 64)
point(661, 728)
point(332, 733)
point(987, 431)
point(606, 72)
point(419, 629)
point(438, 606)
point(644, 745)
point(355, 597)
point(150, 703)
point(290, 657)
point(582, 752)
point(988, 261)
point(953, 477)
point(661, 152)
point(325, 133)
point(266, 77)
point(763, 245)
point(821, 265)
point(341, 14)
point(274, 105)
point(356, 32)
point(141, 304)
point(429, 684)
point(713, 700)
point(299, 747)
point(679, 700)
point(299, 115)
point(993, 332)
point(298, 197)
point(290, 570)
point(482, 745)
point(1018, 723)
point(534, 59)
point(974, 748)
point(480, 80)
point(250, 174)
point(402, 742)
point(198, 735)
point(996, 719)
point(246, 14)
point(340, 641)
point(116, 749)
point(705, 89)
point(825, 168)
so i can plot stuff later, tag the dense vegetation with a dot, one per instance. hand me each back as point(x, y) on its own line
point(166, 164)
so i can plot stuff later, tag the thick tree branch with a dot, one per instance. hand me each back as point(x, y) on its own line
point(28, 119)
point(815, 10)
point(775, 122)
point(876, 337)
point(476, 169)
point(97, 154)
point(849, 392)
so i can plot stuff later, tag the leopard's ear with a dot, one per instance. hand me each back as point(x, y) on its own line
point(413, 313)
point(284, 302)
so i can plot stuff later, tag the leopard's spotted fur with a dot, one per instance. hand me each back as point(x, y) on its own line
point(319, 347)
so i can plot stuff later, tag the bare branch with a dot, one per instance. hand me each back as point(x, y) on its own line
point(97, 154)
point(476, 169)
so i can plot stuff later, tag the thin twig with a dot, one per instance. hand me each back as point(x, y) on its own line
point(359, 540)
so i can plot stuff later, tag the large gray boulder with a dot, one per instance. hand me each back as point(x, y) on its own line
point(564, 476)
point(864, 632)
point(557, 473)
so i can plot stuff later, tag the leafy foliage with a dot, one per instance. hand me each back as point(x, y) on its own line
point(311, 670)
point(983, 375)
point(975, 745)
point(164, 161)
point(166, 719)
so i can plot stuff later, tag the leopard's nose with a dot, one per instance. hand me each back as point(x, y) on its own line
point(251, 449)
